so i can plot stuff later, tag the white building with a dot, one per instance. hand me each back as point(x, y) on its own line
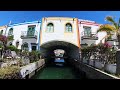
point(59, 29)
point(26, 35)
point(88, 31)
point(31, 35)
point(3, 30)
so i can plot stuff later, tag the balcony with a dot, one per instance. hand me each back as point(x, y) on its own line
point(28, 35)
point(112, 38)
point(91, 36)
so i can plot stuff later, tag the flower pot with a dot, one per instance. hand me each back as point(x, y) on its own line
point(99, 64)
point(91, 62)
point(111, 68)
point(85, 61)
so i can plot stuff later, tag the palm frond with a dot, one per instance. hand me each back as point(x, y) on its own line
point(110, 19)
point(107, 28)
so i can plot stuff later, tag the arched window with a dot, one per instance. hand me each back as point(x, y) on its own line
point(68, 27)
point(50, 27)
point(25, 46)
point(17, 43)
point(1, 32)
point(10, 31)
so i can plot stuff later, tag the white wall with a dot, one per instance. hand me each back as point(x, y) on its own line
point(94, 29)
point(59, 31)
point(4, 29)
point(17, 29)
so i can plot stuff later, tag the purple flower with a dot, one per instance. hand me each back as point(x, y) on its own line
point(106, 44)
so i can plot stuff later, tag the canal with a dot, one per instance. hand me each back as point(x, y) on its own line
point(58, 70)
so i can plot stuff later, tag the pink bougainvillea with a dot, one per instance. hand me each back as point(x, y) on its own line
point(3, 38)
point(106, 44)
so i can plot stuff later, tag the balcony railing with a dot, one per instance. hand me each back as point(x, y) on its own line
point(112, 38)
point(91, 35)
point(26, 34)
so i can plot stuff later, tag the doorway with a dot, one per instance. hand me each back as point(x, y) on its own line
point(33, 48)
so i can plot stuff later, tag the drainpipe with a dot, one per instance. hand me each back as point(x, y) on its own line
point(39, 38)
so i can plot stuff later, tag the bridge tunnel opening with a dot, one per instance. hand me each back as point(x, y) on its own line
point(70, 51)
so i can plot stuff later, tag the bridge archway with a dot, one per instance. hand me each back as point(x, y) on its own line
point(72, 51)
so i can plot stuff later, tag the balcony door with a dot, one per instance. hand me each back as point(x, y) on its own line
point(33, 48)
point(31, 30)
point(87, 31)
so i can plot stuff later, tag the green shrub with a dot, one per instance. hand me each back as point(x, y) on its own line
point(11, 72)
point(25, 53)
point(1, 46)
point(34, 56)
point(10, 37)
point(13, 48)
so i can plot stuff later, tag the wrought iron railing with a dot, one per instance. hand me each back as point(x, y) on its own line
point(26, 34)
point(112, 38)
point(90, 35)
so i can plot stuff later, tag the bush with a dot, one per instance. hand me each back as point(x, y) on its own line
point(11, 72)
point(103, 52)
point(13, 48)
point(1, 46)
point(25, 53)
point(34, 56)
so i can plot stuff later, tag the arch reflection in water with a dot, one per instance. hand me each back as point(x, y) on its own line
point(59, 62)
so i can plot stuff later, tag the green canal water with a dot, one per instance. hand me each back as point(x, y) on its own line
point(57, 72)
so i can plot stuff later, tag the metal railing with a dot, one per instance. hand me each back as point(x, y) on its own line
point(112, 38)
point(26, 34)
point(91, 35)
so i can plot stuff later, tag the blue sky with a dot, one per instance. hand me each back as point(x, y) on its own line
point(21, 16)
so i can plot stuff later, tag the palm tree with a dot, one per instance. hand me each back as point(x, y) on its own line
point(113, 27)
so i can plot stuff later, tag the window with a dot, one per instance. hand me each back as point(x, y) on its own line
point(31, 30)
point(17, 43)
point(25, 46)
point(50, 27)
point(68, 27)
point(1, 32)
point(87, 31)
point(34, 48)
point(10, 31)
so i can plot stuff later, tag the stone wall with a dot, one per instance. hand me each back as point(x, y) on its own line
point(91, 72)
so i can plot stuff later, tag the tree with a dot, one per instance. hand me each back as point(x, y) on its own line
point(4, 40)
point(113, 27)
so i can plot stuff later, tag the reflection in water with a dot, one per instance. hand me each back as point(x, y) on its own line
point(59, 62)
point(58, 70)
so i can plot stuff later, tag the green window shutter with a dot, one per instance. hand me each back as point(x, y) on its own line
point(87, 31)
point(50, 28)
point(10, 31)
point(31, 31)
point(68, 28)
